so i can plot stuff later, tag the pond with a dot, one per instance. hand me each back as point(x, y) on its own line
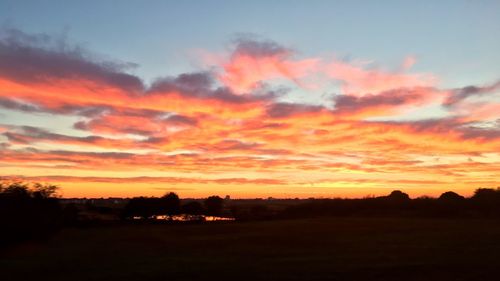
point(185, 217)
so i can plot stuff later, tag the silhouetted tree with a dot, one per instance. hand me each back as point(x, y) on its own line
point(170, 204)
point(450, 196)
point(214, 205)
point(142, 207)
point(486, 194)
point(398, 195)
point(192, 208)
point(149, 207)
point(449, 204)
point(28, 211)
point(44, 190)
point(487, 200)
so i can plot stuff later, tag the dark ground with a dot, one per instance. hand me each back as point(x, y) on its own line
point(315, 249)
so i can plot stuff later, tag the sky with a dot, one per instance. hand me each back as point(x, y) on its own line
point(287, 99)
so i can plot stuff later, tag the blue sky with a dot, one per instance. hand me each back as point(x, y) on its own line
point(457, 40)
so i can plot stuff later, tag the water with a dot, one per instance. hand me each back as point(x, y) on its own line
point(184, 217)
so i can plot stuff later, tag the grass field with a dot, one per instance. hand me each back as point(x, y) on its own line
point(318, 249)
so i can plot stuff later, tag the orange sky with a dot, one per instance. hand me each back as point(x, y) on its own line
point(240, 126)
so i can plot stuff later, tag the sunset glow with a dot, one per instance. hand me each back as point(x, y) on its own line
point(260, 118)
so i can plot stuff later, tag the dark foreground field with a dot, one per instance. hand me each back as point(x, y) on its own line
point(319, 249)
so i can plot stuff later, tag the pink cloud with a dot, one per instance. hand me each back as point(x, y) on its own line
point(252, 63)
point(408, 62)
point(357, 81)
point(477, 111)
point(244, 72)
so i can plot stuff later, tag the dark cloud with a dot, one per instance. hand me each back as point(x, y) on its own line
point(16, 138)
point(181, 119)
point(202, 85)
point(392, 98)
point(86, 111)
point(41, 57)
point(463, 93)
point(134, 112)
point(257, 47)
point(155, 140)
point(105, 155)
point(280, 110)
point(193, 84)
point(29, 135)
point(445, 126)
point(65, 109)
point(4, 145)
point(226, 145)
point(78, 157)
point(13, 104)
point(481, 133)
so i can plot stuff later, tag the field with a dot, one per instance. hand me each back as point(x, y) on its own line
point(317, 249)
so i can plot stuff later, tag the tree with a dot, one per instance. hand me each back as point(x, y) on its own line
point(398, 195)
point(170, 204)
point(213, 205)
point(192, 208)
point(451, 196)
point(486, 194)
point(15, 189)
point(487, 200)
point(28, 211)
point(44, 190)
point(142, 207)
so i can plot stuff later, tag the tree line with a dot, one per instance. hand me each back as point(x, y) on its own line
point(34, 210)
point(485, 202)
point(170, 205)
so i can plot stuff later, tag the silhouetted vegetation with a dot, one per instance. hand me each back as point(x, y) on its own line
point(485, 202)
point(148, 208)
point(213, 206)
point(193, 211)
point(28, 211)
point(170, 205)
point(451, 196)
point(32, 211)
point(193, 208)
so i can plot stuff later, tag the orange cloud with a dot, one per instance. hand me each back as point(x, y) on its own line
point(228, 130)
